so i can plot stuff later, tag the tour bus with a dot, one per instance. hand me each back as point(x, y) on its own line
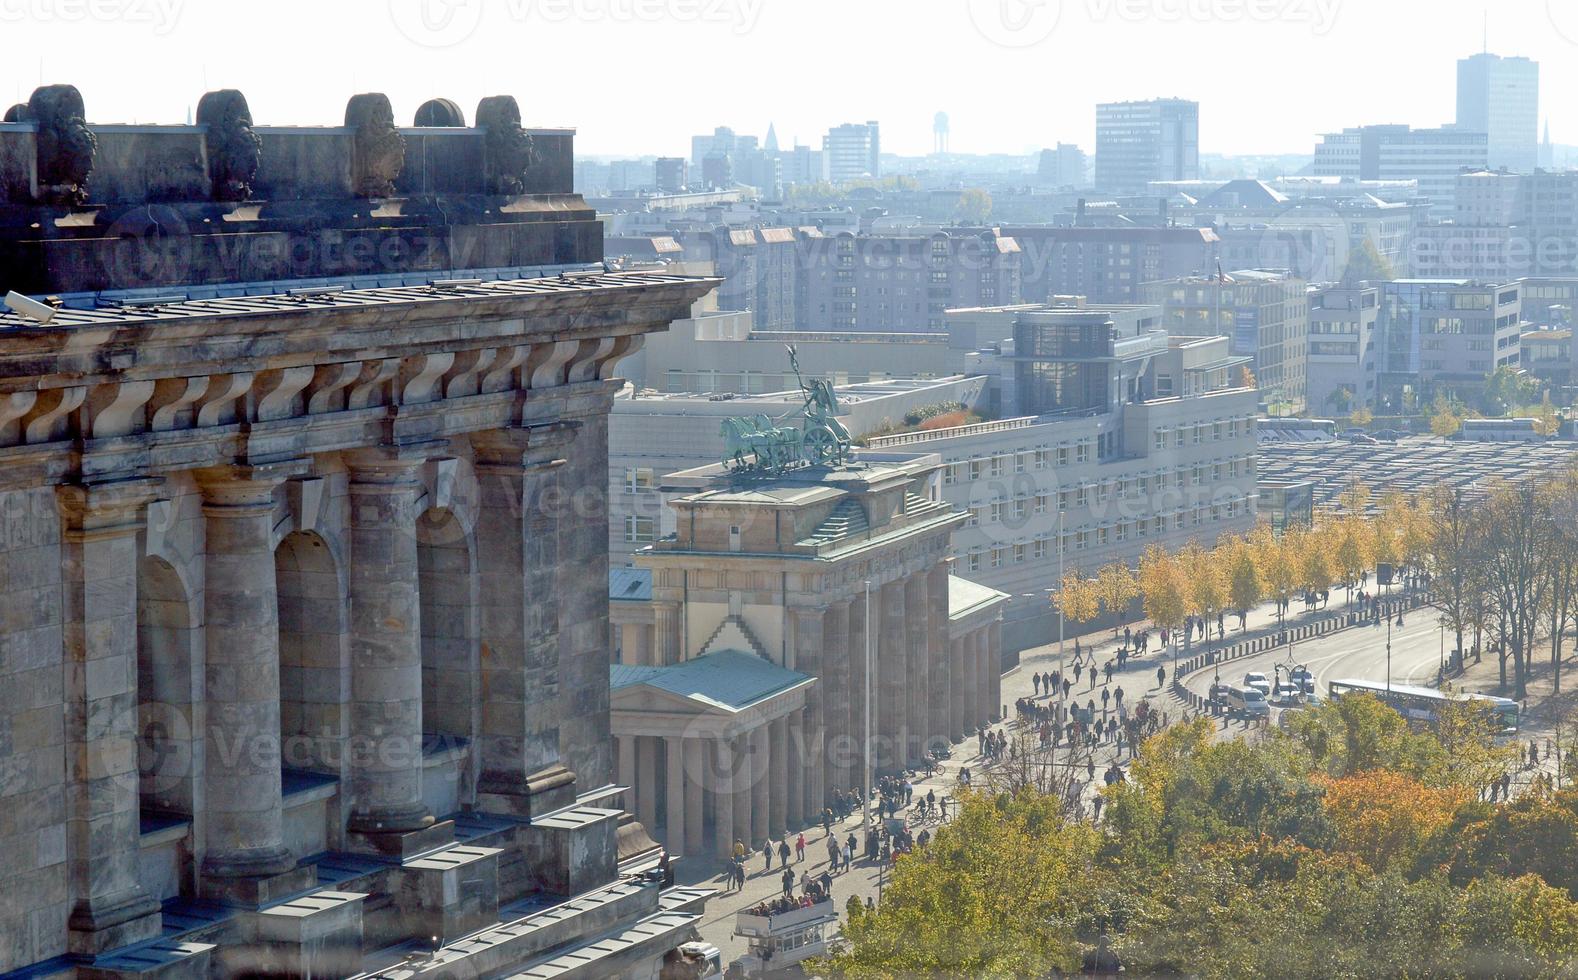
point(1423, 704)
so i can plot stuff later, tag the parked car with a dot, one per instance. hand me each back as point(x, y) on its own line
point(1389, 435)
point(1258, 681)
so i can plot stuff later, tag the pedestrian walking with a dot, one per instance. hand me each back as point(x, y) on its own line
point(767, 856)
point(788, 882)
point(1161, 676)
point(799, 848)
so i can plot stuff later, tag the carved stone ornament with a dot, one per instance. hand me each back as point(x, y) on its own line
point(379, 153)
point(507, 148)
point(65, 144)
point(233, 148)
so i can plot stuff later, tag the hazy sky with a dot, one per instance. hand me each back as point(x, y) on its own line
point(639, 76)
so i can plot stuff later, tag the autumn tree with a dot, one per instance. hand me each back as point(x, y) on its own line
point(1077, 599)
point(1162, 588)
point(1116, 587)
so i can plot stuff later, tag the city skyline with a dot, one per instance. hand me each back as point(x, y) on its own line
point(1105, 50)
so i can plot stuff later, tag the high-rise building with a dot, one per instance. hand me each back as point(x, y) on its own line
point(1063, 166)
point(1137, 142)
point(853, 151)
point(1500, 97)
point(673, 173)
point(1440, 335)
point(1433, 157)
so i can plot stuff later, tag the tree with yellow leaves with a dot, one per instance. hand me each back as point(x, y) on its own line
point(1277, 565)
point(1244, 587)
point(1317, 567)
point(1116, 588)
point(1352, 553)
point(1162, 587)
point(1386, 817)
point(1077, 599)
point(1206, 585)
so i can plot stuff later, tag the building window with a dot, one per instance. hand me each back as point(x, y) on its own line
point(975, 517)
point(997, 557)
point(1041, 504)
point(997, 513)
point(640, 530)
point(1040, 549)
point(1043, 458)
point(1062, 456)
point(974, 561)
point(975, 469)
point(638, 480)
point(1019, 554)
point(950, 475)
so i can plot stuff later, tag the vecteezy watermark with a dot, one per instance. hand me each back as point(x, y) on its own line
point(443, 23)
point(1016, 23)
point(1320, 15)
point(1563, 15)
point(1025, 23)
point(161, 15)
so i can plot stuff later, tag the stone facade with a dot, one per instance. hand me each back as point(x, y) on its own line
point(779, 612)
point(303, 604)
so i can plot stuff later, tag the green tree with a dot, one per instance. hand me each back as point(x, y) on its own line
point(1366, 264)
point(995, 894)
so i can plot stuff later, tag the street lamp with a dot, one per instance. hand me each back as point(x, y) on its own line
point(865, 807)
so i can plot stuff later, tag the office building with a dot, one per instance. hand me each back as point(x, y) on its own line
point(1433, 157)
point(1444, 336)
point(1340, 365)
point(1062, 166)
point(672, 175)
point(1500, 97)
point(1265, 313)
point(1137, 142)
point(853, 152)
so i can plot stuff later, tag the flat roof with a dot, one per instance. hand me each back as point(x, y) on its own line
point(728, 679)
point(178, 307)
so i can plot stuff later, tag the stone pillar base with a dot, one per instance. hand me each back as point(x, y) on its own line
point(541, 793)
point(450, 893)
point(316, 935)
point(96, 927)
point(573, 851)
point(255, 891)
point(153, 961)
point(403, 846)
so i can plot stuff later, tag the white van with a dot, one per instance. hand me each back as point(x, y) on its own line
point(1247, 702)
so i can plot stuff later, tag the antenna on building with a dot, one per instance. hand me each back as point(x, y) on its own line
point(1485, 36)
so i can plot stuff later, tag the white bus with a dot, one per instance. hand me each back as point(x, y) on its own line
point(1423, 704)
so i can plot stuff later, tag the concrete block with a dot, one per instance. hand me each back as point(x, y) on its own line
point(315, 935)
point(452, 892)
point(574, 850)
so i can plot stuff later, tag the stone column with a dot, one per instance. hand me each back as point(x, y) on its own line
point(891, 726)
point(627, 763)
point(386, 644)
point(695, 786)
point(778, 792)
point(244, 838)
point(647, 782)
point(761, 782)
point(666, 618)
point(983, 670)
point(918, 674)
point(582, 596)
point(835, 699)
point(518, 559)
point(994, 661)
point(723, 830)
point(940, 673)
point(98, 575)
point(744, 774)
point(808, 632)
point(854, 774)
point(674, 791)
point(794, 806)
point(960, 708)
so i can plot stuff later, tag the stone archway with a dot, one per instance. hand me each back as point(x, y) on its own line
point(314, 676)
point(169, 685)
point(451, 659)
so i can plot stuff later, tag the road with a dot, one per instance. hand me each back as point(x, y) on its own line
point(1357, 653)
